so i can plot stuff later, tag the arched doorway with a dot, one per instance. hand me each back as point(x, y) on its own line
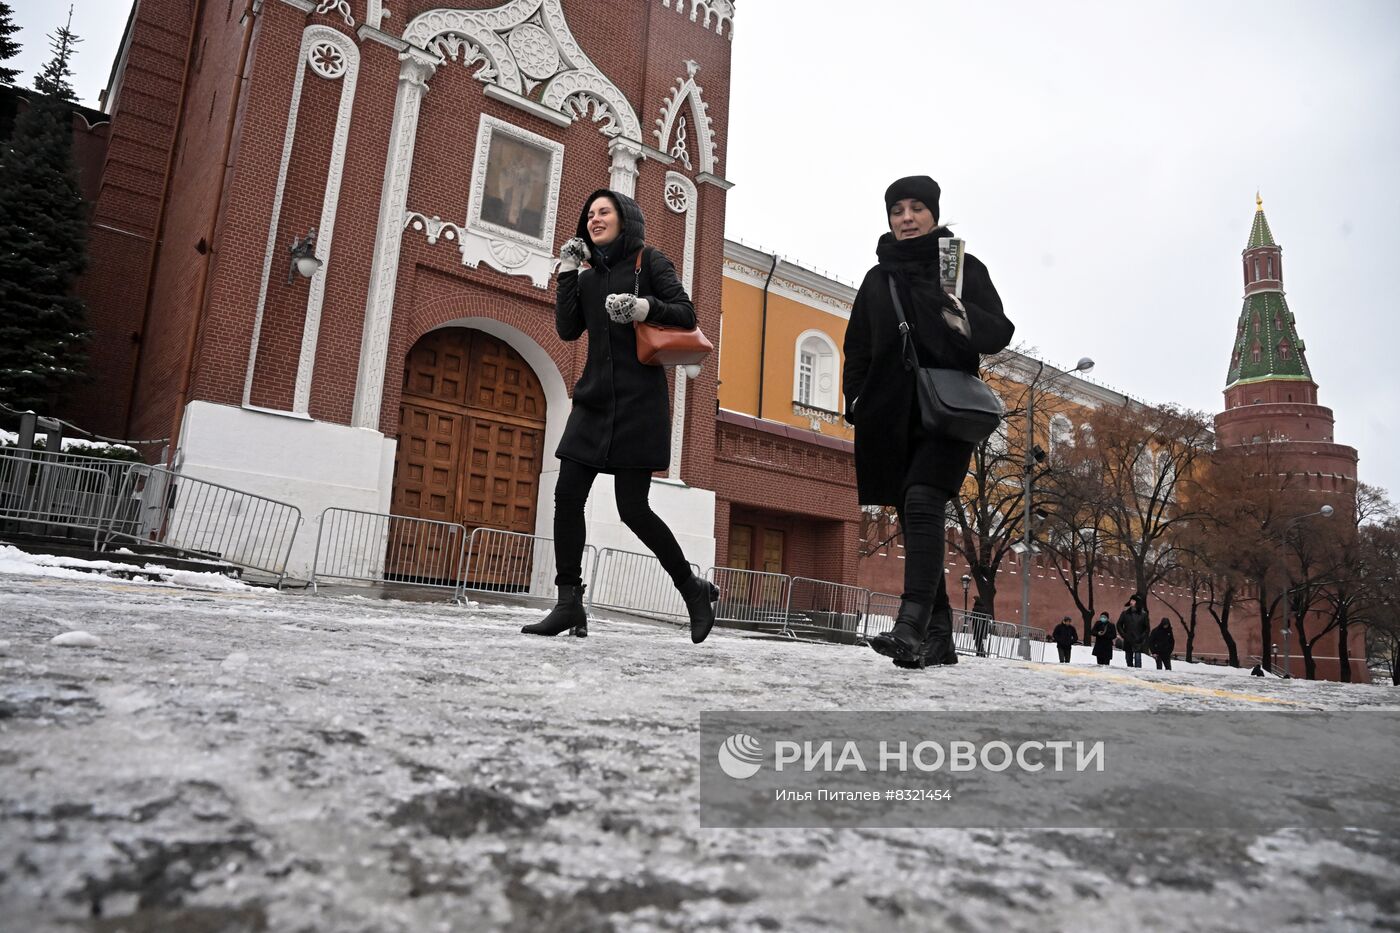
point(471, 431)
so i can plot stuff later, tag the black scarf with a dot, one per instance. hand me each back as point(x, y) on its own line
point(913, 264)
point(605, 257)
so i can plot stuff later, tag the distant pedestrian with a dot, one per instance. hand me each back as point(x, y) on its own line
point(1133, 627)
point(1065, 637)
point(1162, 643)
point(981, 625)
point(1102, 634)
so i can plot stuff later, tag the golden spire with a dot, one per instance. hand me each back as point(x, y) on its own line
point(1258, 201)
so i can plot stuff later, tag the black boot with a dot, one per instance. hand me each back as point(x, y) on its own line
point(700, 596)
point(568, 614)
point(938, 643)
point(905, 641)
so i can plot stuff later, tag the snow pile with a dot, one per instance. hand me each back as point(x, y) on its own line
point(75, 445)
point(15, 561)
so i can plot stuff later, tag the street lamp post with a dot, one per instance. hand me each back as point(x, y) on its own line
point(1033, 456)
point(1325, 512)
point(966, 582)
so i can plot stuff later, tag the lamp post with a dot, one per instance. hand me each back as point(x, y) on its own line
point(1033, 456)
point(1325, 512)
point(966, 582)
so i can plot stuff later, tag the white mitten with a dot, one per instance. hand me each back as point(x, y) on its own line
point(624, 309)
point(572, 254)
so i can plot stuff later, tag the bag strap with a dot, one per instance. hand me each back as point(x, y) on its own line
point(637, 273)
point(903, 325)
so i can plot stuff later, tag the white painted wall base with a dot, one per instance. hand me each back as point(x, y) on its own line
point(312, 465)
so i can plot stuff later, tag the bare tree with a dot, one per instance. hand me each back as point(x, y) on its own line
point(1077, 510)
point(1352, 568)
point(1379, 606)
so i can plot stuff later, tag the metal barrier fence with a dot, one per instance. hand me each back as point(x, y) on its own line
point(830, 610)
point(879, 614)
point(375, 547)
point(52, 493)
point(205, 519)
point(511, 562)
point(751, 599)
point(637, 583)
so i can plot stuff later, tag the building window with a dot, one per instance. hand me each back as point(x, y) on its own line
point(1255, 352)
point(806, 366)
point(1061, 434)
point(1283, 350)
point(814, 372)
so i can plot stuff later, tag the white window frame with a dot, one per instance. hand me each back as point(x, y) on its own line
point(825, 392)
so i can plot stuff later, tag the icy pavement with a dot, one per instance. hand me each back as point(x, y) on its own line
point(246, 760)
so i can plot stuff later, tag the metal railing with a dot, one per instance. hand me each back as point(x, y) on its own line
point(48, 492)
point(375, 547)
point(511, 562)
point(751, 599)
point(204, 519)
point(880, 613)
point(833, 611)
point(636, 583)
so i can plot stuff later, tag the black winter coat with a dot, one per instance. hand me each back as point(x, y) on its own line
point(1102, 634)
point(1161, 642)
point(1065, 634)
point(891, 451)
point(621, 419)
point(1133, 628)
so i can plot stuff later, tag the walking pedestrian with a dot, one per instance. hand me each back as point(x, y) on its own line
point(1065, 637)
point(1162, 643)
point(621, 418)
point(897, 462)
point(1133, 627)
point(1102, 634)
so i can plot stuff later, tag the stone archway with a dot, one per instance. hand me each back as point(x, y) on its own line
point(471, 433)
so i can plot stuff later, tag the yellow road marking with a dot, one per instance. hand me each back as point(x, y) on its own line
point(1174, 688)
point(136, 588)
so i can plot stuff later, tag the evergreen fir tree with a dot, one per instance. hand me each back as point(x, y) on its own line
point(9, 48)
point(42, 244)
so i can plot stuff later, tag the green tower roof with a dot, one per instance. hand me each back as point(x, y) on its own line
point(1267, 345)
point(1260, 234)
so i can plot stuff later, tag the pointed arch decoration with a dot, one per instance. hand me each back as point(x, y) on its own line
point(526, 49)
point(672, 120)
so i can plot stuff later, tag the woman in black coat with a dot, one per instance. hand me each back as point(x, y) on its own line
point(1103, 633)
point(1162, 643)
point(621, 417)
point(897, 463)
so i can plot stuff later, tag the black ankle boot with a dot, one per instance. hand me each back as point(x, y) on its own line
point(700, 596)
point(905, 642)
point(938, 643)
point(568, 614)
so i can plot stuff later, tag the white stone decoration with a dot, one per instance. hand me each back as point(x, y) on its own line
point(681, 197)
point(338, 6)
point(687, 89)
point(315, 39)
point(720, 12)
point(623, 174)
point(326, 59)
point(500, 246)
point(434, 227)
point(415, 68)
point(527, 46)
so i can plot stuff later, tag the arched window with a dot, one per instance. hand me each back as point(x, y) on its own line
point(1283, 351)
point(1255, 351)
point(1061, 434)
point(815, 363)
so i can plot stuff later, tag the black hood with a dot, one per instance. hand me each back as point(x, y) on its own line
point(634, 228)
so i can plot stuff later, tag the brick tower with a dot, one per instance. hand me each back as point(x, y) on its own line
point(1270, 393)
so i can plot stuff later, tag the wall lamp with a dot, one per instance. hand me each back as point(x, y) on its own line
point(304, 261)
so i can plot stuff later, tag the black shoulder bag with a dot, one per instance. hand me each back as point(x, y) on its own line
point(952, 403)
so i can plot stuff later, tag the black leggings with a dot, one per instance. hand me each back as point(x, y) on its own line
point(632, 488)
point(923, 521)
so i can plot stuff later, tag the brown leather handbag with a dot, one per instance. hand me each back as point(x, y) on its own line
point(659, 345)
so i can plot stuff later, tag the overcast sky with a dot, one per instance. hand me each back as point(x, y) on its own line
point(1100, 157)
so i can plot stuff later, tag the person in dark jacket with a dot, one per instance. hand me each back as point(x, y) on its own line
point(1162, 643)
point(897, 463)
point(1102, 633)
point(1133, 627)
point(1065, 637)
point(621, 417)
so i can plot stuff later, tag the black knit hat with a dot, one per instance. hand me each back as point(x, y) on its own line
point(920, 187)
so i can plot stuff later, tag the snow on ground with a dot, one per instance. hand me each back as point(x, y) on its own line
point(15, 561)
point(253, 760)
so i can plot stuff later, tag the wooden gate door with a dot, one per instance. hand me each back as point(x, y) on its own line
point(470, 438)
